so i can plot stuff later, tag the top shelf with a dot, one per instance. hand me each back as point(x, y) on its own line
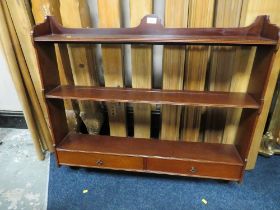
point(160, 39)
point(151, 31)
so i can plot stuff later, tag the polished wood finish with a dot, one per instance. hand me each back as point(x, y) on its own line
point(140, 147)
point(155, 34)
point(195, 169)
point(136, 154)
point(98, 160)
point(148, 155)
point(161, 39)
point(155, 96)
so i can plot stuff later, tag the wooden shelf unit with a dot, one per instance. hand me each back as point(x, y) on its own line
point(218, 161)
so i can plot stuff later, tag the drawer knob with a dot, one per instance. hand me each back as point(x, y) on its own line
point(99, 162)
point(193, 170)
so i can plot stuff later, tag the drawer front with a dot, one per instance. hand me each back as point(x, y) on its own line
point(192, 168)
point(100, 160)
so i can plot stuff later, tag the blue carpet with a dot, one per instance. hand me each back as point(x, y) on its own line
point(116, 190)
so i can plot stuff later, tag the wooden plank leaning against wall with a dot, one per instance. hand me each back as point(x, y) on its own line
point(75, 13)
point(17, 14)
point(241, 70)
point(6, 45)
point(109, 16)
point(141, 62)
point(173, 68)
point(41, 8)
point(200, 15)
point(227, 14)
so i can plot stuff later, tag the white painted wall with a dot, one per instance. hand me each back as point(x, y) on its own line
point(8, 97)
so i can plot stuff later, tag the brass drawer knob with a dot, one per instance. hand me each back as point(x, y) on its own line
point(193, 170)
point(99, 162)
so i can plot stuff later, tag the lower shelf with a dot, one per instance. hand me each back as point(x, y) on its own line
point(207, 160)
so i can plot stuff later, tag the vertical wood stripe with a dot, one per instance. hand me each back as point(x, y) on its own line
point(75, 13)
point(200, 15)
point(242, 67)
point(221, 68)
point(141, 61)
point(110, 17)
point(176, 15)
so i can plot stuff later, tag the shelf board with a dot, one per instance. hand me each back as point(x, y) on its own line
point(155, 96)
point(136, 147)
point(154, 32)
point(157, 39)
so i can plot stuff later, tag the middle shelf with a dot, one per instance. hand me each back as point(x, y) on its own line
point(155, 96)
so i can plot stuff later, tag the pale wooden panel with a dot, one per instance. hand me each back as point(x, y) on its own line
point(141, 61)
point(75, 13)
point(23, 23)
point(109, 17)
point(242, 67)
point(18, 14)
point(6, 48)
point(221, 68)
point(176, 15)
point(243, 62)
point(40, 9)
point(251, 9)
point(200, 15)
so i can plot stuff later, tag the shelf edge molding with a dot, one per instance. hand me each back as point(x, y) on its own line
point(155, 96)
point(150, 30)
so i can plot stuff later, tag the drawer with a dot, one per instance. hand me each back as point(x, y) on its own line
point(193, 168)
point(99, 160)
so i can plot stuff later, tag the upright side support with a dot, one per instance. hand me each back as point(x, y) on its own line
point(50, 79)
point(40, 9)
point(264, 58)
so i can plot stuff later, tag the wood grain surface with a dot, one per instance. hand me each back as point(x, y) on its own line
point(141, 63)
point(110, 17)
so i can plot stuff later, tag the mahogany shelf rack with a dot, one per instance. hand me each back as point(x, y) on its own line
point(198, 159)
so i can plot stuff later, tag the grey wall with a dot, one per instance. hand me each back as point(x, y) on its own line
point(8, 96)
